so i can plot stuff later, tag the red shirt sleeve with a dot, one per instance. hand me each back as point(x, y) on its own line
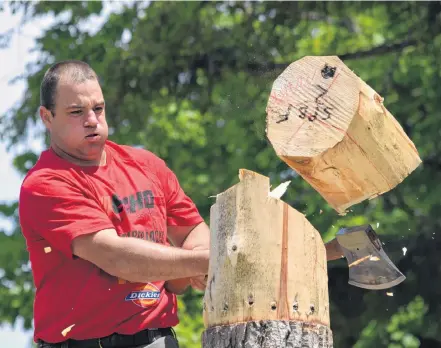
point(181, 211)
point(54, 209)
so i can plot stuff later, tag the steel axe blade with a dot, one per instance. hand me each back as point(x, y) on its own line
point(369, 266)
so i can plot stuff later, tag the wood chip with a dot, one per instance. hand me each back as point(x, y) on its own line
point(67, 330)
point(280, 190)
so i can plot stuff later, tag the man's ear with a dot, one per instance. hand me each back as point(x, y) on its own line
point(46, 117)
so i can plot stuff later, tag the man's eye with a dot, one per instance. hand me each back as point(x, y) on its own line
point(76, 112)
point(99, 109)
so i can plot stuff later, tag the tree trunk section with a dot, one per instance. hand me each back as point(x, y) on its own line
point(333, 129)
point(268, 334)
point(267, 282)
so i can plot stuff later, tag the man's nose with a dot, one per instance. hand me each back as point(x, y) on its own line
point(91, 119)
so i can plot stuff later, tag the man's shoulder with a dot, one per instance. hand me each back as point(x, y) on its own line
point(139, 154)
point(44, 175)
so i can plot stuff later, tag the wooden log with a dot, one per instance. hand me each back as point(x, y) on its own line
point(333, 130)
point(267, 282)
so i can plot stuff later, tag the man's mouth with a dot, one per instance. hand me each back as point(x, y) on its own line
point(92, 135)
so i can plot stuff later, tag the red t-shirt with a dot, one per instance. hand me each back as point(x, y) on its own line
point(134, 193)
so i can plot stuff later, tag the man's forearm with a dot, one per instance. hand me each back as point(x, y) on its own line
point(198, 238)
point(177, 286)
point(143, 261)
point(189, 238)
point(333, 250)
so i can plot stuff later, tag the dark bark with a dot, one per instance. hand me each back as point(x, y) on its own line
point(268, 334)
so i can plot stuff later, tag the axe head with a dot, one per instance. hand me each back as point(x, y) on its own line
point(369, 266)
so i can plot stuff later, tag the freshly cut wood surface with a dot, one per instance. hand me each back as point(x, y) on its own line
point(267, 263)
point(333, 129)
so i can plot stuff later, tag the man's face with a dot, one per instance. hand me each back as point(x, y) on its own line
point(78, 127)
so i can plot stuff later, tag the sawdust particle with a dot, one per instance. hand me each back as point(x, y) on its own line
point(67, 330)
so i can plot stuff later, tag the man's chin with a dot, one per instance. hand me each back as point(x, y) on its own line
point(93, 153)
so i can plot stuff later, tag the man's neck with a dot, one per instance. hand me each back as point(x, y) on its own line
point(79, 161)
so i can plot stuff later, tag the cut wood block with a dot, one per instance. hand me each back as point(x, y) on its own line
point(333, 129)
point(267, 274)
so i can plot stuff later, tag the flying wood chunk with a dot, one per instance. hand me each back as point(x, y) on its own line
point(267, 282)
point(333, 129)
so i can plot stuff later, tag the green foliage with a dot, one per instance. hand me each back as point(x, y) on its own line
point(191, 322)
point(399, 332)
point(190, 82)
point(16, 290)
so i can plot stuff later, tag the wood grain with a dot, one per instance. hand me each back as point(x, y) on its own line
point(267, 262)
point(333, 129)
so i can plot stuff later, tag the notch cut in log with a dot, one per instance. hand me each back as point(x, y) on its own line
point(333, 129)
point(267, 283)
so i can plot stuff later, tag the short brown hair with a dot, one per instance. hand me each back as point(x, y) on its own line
point(75, 70)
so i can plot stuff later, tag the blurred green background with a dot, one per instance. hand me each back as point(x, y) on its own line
point(190, 81)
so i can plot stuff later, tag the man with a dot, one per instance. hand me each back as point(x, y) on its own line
point(93, 287)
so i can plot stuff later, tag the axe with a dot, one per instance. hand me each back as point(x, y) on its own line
point(369, 266)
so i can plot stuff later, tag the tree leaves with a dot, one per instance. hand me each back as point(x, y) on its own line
point(190, 82)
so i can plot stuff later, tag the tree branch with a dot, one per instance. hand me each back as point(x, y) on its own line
point(432, 163)
point(375, 51)
point(379, 50)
